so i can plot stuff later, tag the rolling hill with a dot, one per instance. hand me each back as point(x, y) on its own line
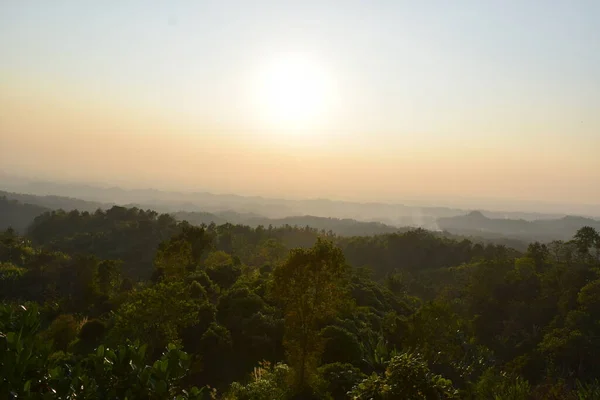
point(476, 223)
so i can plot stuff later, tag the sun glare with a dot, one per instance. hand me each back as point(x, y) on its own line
point(293, 92)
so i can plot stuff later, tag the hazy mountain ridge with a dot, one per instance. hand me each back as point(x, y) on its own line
point(56, 202)
point(342, 218)
point(344, 227)
point(166, 201)
point(477, 223)
point(19, 211)
point(17, 215)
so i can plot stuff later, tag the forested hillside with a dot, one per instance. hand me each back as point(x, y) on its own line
point(127, 234)
point(55, 202)
point(478, 226)
point(476, 223)
point(344, 227)
point(129, 303)
point(17, 215)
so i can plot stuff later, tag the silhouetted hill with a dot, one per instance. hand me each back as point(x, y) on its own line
point(342, 227)
point(16, 215)
point(476, 223)
point(25, 207)
point(56, 202)
point(19, 210)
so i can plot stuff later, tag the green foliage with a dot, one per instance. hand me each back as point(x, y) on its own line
point(190, 335)
point(23, 354)
point(427, 310)
point(450, 350)
point(211, 290)
point(499, 386)
point(90, 336)
point(155, 315)
point(30, 371)
point(92, 330)
point(216, 340)
point(197, 291)
point(340, 346)
point(588, 391)
point(122, 373)
point(586, 239)
point(216, 348)
point(108, 277)
point(62, 331)
point(338, 379)
point(376, 352)
point(128, 234)
point(589, 297)
point(406, 377)
point(255, 326)
point(80, 283)
point(217, 259)
point(267, 382)
point(311, 287)
point(10, 279)
point(224, 275)
point(10, 273)
point(182, 253)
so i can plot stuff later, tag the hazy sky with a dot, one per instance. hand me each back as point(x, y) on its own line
point(406, 99)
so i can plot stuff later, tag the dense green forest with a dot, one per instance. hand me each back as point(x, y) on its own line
point(131, 304)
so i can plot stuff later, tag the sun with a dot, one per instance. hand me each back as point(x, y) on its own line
point(294, 92)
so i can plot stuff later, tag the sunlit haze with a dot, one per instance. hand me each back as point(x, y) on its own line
point(371, 101)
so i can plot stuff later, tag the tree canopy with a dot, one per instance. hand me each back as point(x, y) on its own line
point(129, 303)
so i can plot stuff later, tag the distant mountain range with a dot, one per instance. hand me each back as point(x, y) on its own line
point(342, 217)
point(165, 201)
point(18, 210)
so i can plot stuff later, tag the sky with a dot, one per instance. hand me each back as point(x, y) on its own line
point(357, 100)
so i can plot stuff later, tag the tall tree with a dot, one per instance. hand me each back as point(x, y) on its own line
point(587, 238)
point(311, 286)
point(182, 253)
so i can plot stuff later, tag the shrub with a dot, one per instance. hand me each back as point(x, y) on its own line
point(92, 330)
point(338, 379)
point(62, 331)
point(266, 383)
